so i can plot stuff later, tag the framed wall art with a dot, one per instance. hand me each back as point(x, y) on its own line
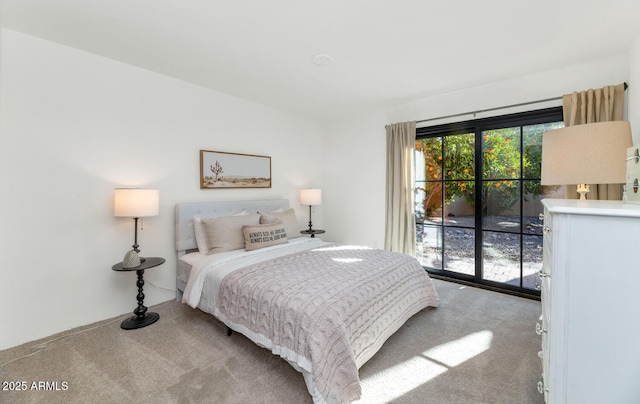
point(219, 170)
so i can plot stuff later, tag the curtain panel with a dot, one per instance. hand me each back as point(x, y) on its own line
point(590, 106)
point(400, 224)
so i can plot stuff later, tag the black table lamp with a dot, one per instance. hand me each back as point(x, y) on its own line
point(135, 203)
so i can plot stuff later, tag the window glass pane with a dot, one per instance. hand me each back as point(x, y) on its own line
point(459, 199)
point(501, 205)
point(459, 157)
point(429, 202)
point(429, 245)
point(532, 208)
point(429, 159)
point(501, 257)
point(459, 250)
point(501, 153)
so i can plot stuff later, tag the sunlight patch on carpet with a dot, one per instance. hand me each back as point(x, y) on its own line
point(456, 352)
point(398, 380)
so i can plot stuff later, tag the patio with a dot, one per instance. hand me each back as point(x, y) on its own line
point(501, 248)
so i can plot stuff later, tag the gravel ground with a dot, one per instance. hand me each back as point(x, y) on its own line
point(498, 242)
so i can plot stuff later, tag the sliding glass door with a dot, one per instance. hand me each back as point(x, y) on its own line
point(478, 198)
point(444, 183)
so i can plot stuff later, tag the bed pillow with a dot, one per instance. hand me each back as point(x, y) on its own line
point(264, 235)
point(225, 233)
point(201, 235)
point(288, 219)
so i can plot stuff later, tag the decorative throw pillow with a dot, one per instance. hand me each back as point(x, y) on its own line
point(201, 235)
point(288, 219)
point(225, 233)
point(264, 235)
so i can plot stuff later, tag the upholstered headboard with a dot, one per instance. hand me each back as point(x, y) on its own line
point(185, 235)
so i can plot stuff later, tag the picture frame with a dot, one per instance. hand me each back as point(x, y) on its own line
point(223, 170)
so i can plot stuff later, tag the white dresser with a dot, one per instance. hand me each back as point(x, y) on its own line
point(590, 285)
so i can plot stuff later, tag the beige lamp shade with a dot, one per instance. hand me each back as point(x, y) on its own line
point(593, 153)
point(311, 197)
point(135, 202)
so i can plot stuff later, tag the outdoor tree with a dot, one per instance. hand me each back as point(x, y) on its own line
point(217, 169)
point(504, 162)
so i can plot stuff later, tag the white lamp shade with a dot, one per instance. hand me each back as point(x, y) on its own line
point(593, 153)
point(310, 197)
point(135, 202)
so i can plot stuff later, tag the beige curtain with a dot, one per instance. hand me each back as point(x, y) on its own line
point(400, 225)
point(600, 105)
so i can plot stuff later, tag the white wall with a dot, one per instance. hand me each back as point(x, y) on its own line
point(354, 176)
point(73, 127)
point(354, 179)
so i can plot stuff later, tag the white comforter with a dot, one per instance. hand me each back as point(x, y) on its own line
point(326, 309)
point(213, 268)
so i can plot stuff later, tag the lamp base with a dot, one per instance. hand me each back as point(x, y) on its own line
point(131, 260)
point(310, 229)
point(136, 322)
point(583, 190)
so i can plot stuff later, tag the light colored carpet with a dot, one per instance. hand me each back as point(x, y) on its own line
point(477, 347)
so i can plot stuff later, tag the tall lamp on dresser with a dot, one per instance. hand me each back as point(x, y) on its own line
point(592, 153)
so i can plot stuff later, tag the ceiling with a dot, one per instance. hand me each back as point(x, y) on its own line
point(383, 52)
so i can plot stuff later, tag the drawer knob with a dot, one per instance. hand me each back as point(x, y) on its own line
point(539, 329)
point(544, 274)
point(541, 388)
point(541, 216)
point(546, 229)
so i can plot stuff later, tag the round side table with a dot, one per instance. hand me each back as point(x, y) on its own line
point(141, 317)
point(312, 232)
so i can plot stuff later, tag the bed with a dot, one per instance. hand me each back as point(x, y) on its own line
point(324, 308)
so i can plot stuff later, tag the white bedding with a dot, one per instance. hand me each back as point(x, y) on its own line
point(213, 268)
point(208, 272)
